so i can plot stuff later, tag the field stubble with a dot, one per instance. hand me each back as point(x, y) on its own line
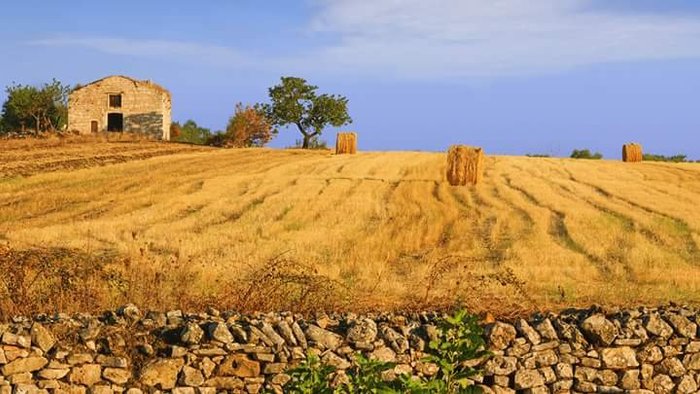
point(258, 229)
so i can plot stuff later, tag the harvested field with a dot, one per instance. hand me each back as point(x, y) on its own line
point(287, 229)
point(29, 157)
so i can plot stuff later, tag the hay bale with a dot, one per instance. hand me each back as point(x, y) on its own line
point(631, 153)
point(465, 165)
point(346, 143)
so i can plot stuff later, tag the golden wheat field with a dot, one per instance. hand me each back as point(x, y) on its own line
point(288, 229)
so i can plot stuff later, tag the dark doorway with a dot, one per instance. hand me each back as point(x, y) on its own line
point(115, 122)
point(93, 126)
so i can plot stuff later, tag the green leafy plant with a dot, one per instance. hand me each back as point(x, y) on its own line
point(460, 340)
point(366, 377)
point(310, 377)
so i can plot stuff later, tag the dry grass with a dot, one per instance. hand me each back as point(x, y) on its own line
point(265, 229)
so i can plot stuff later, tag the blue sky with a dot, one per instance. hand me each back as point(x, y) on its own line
point(514, 76)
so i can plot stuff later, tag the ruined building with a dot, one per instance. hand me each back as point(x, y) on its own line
point(118, 103)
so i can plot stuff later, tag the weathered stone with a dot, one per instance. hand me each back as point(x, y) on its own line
point(275, 368)
point(500, 365)
point(79, 358)
point(327, 339)
point(48, 373)
point(608, 389)
point(585, 374)
point(383, 354)
point(161, 373)
point(19, 378)
point(191, 377)
point(223, 382)
point(606, 377)
point(599, 330)
point(270, 333)
point(20, 365)
point(86, 374)
point(239, 365)
point(548, 375)
point(191, 333)
point(654, 324)
point(527, 378)
point(687, 385)
point(663, 384)
point(500, 335)
point(671, 366)
point(564, 371)
point(630, 380)
point(364, 330)
point(116, 375)
point(183, 390)
point(692, 361)
point(562, 386)
point(619, 358)
point(299, 335)
point(219, 332)
point(286, 332)
point(586, 387)
point(112, 361)
point(682, 325)
point(42, 337)
point(528, 332)
point(207, 367)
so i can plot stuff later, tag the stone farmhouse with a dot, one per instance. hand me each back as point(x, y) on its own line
point(120, 104)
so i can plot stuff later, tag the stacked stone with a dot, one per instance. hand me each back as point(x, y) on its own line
point(632, 351)
point(635, 351)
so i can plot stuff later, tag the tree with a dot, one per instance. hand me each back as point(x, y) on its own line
point(34, 108)
point(249, 126)
point(295, 102)
point(191, 133)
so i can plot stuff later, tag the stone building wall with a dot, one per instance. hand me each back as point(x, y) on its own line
point(585, 351)
point(145, 107)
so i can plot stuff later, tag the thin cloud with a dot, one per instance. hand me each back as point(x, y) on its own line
point(444, 39)
point(185, 51)
point(453, 38)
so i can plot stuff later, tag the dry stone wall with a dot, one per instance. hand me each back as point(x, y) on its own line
point(586, 351)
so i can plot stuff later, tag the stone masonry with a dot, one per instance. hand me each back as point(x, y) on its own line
point(119, 103)
point(582, 351)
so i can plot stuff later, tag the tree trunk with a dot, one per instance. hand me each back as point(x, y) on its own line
point(307, 139)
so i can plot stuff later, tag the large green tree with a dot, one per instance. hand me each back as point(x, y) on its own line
point(295, 102)
point(39, 109)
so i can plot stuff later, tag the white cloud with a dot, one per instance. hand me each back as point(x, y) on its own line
point(445, 39)
point(453, 38)
point(185, 51)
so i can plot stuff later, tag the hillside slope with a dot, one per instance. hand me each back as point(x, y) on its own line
point(287, 229)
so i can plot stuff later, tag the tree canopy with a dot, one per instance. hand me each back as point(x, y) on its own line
point(295, 102)
point(35, 109)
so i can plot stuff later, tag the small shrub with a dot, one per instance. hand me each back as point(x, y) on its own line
point(248, 127)
point(671, 159)
point(586, 154)
point(537, 155)
point(460, 339)
point(310, 377)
